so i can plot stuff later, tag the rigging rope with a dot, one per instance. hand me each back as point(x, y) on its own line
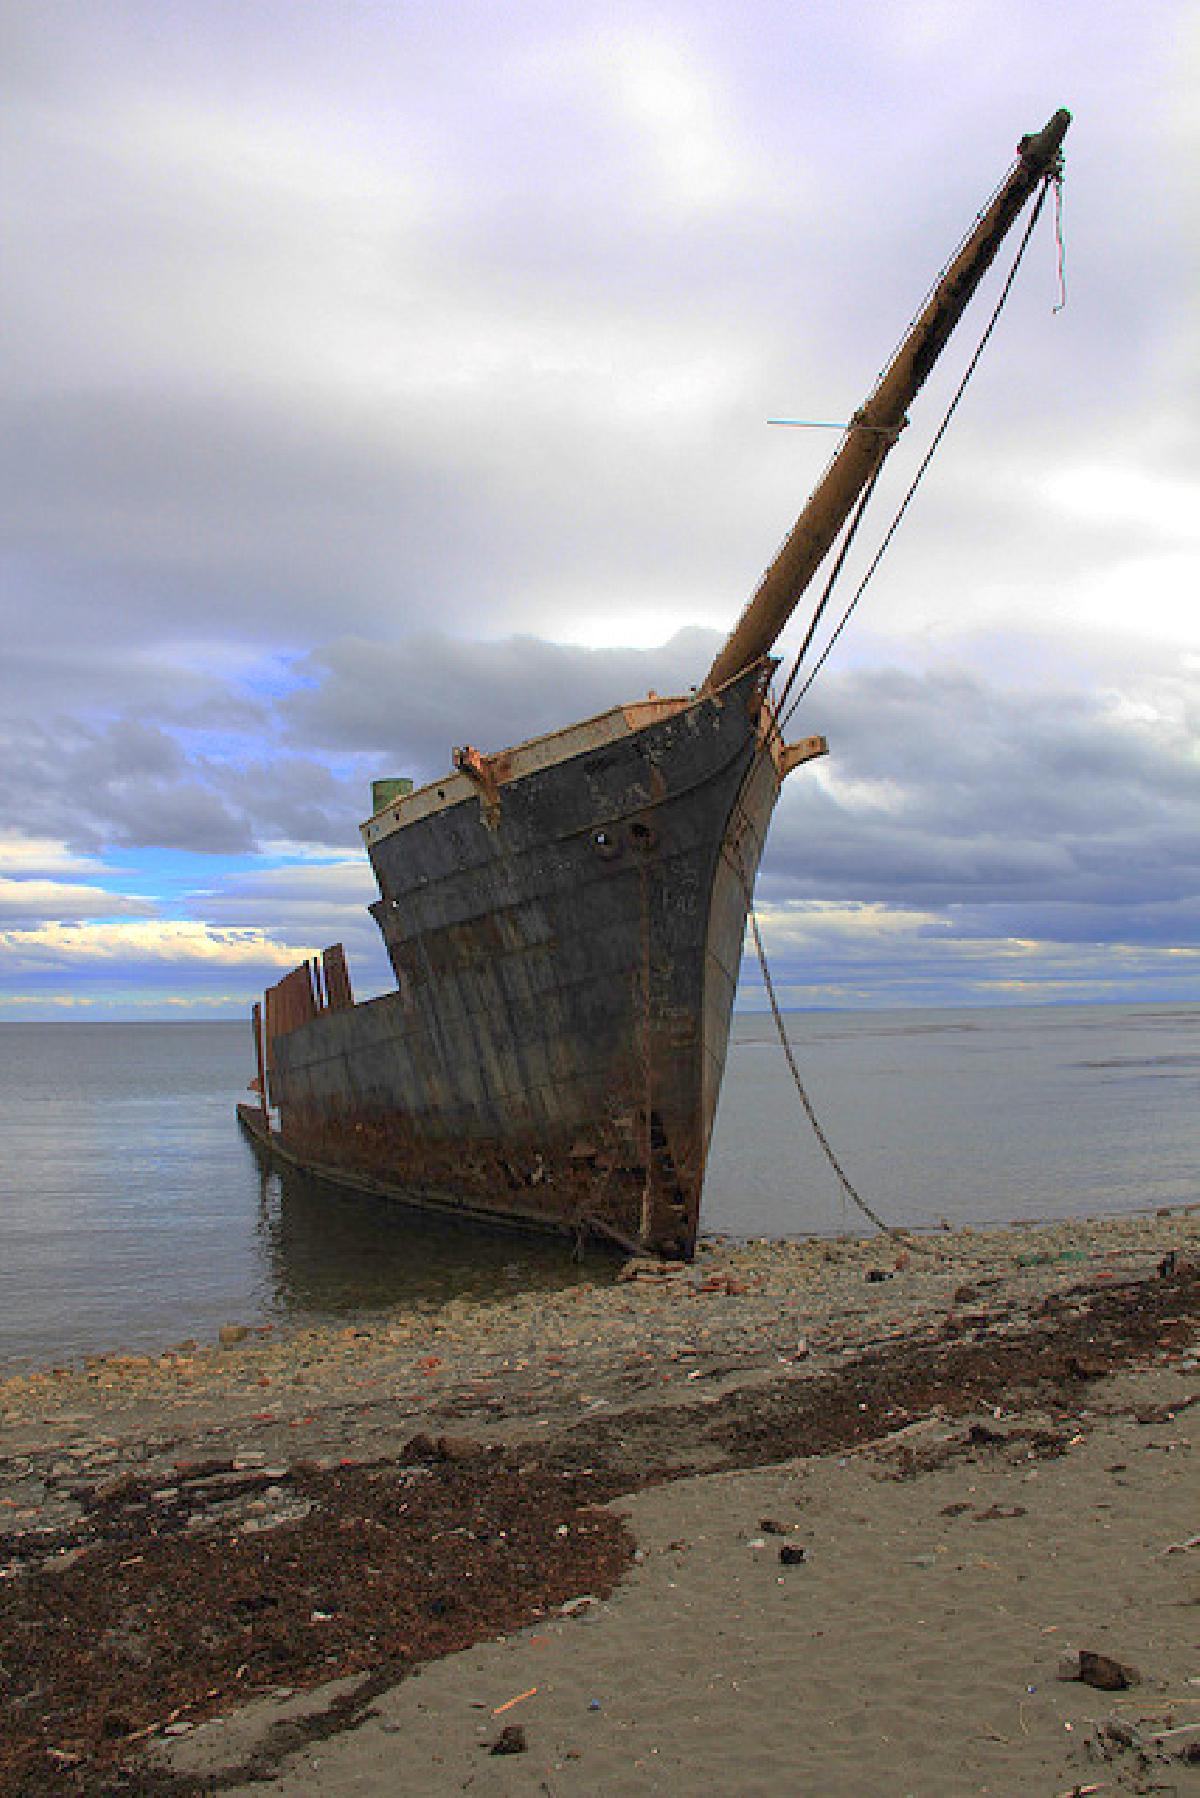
point(1060, 243)
point(843, 1178)
point(780, 716)
point(917, 478)
point(834, 572)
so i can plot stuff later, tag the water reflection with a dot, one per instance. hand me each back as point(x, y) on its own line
point(331, 1252)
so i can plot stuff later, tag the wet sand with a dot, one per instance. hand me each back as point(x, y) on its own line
point(950, 1435)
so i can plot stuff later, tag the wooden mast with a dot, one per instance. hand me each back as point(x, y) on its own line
point(877, 424)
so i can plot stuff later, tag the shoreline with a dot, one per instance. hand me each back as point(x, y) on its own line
point(669, 1387)
point(711, 1246)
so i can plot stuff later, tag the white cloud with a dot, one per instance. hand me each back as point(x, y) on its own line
point(179, 940)
point(22, 854)
point(793, 928)
point(124, 1004)
point(829, 955)
point(692, 151)
point(60, 899)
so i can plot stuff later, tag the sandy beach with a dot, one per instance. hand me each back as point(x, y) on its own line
point(823, 1517)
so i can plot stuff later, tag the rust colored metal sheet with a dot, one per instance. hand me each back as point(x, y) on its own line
point(290, 1003)
point(337, 978)
point(259, 1056)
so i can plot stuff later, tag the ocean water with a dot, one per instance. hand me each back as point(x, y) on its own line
point(133, 1213)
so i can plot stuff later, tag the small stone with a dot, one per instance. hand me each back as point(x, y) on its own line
point(458, 1448)
point(121, 1486)
point(1098, 1670)
point(511, 1740)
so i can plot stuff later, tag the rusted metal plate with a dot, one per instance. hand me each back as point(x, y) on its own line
point(337, 978)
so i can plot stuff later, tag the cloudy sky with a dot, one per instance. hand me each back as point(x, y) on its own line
point(380, 377)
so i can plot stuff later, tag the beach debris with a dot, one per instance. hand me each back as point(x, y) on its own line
point(594, 1704)
point(511, 1740)
point(770, 1526)
point(1150, 1414)
point(1115, 1731)
point(1098, 1670)
point(876, 1274)
point(726, 1284)
point(1179, 1548)
point(638, 1269)
point(1085, 1367)
point(995, 1512)
point(790, 1555)
point(425, 1448)
point(981, 1435)
point(509, 1703)
point(576, 1607)
point(231, 1334)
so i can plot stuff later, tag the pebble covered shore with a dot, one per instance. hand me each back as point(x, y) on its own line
point(522, 1364)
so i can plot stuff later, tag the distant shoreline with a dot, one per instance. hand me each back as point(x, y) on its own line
point(1173, 1002)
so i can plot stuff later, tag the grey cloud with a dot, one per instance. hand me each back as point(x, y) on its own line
point(124, 783)
point(198, 469)
point(932, 966)
point(1076, 817)
point(416, 700)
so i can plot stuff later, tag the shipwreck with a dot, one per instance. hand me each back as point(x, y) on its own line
point(565, 918)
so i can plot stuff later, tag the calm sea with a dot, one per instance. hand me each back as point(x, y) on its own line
point(132, 1213)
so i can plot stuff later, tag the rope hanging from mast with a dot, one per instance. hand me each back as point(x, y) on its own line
point(782, 715)
point(913, 485)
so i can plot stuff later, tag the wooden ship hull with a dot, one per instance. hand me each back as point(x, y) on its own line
point(565, 919)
